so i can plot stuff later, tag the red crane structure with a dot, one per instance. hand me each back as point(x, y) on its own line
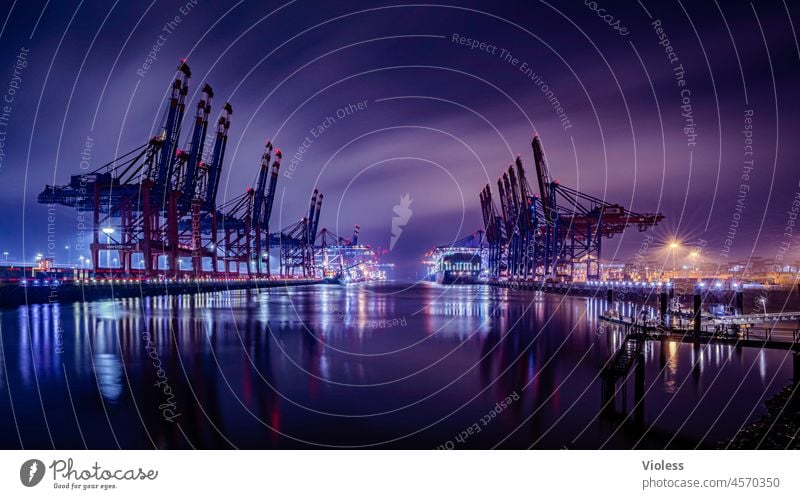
point(159, 202)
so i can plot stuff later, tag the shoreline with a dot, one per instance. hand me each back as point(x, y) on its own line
point(788, 298)
point(777, 429)
point(14, 296)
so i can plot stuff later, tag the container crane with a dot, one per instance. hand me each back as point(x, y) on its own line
point(547, 235)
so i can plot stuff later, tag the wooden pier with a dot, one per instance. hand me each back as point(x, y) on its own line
point(751, 330)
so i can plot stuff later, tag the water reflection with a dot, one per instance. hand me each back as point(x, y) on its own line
point(359, 365)
point(108, 370)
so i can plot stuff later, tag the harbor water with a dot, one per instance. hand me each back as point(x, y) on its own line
point(415, 365)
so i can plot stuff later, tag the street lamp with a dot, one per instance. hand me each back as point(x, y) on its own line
point(5, 254)
point(69, 254)
point(673, 246)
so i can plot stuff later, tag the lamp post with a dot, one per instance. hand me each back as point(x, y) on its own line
point(108, 231)
point(5, 254)
point(69, 254)
point(673, 246)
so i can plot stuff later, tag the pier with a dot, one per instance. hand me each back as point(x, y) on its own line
point(97, 289)
point(746, 331)
point(751, 330)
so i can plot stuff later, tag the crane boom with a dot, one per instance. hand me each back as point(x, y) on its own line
point(177, 104)
point(261, 183)
point(217, 157)
point(315, 222)
point(273, 182)
point(198, 141)
point(542, 175)
point(310, 218)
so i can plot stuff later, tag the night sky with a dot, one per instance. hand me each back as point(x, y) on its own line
point(438, 119)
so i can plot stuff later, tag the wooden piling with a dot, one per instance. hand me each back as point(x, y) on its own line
point(697, 318)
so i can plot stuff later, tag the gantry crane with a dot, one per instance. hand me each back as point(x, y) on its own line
point(160, 201)
point(546, 236)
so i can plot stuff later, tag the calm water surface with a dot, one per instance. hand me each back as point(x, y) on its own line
point(402, 366)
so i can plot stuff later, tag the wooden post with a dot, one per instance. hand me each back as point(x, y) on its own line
point(663, 301)
point(639, 390)
point(697, 318)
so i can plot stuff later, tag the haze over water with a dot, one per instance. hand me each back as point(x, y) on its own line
point(404, 366)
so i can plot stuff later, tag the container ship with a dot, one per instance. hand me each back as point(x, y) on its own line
point(455, 267)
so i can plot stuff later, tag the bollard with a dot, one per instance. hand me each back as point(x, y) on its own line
point(697, 318)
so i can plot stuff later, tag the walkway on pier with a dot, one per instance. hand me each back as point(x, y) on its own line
point(759, 318)
point(733, 330)
point(739, 330)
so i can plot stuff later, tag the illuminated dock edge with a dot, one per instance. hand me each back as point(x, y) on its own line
point(99, 289)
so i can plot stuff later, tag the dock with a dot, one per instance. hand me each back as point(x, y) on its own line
point(746, 331)
point(98, 289)
point(750, 330)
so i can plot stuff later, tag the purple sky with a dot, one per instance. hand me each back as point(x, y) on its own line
point(438, 120)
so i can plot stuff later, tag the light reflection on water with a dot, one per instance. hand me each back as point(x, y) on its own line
point(359, 365)
point(108, 369)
